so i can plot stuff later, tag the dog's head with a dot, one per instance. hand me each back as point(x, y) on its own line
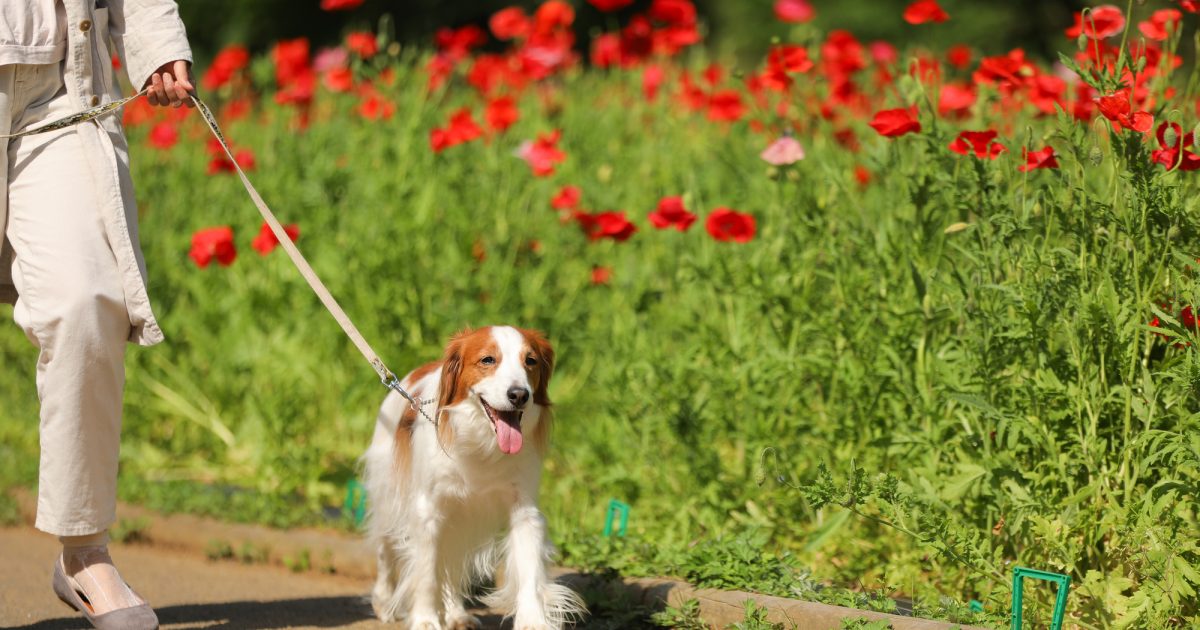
point(495, 379)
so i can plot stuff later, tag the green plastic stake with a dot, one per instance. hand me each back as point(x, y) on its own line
point(356, 500)
point(975, 605)
point(615, 506)
point(1060, 602)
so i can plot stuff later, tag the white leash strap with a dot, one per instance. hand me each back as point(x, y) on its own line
point(385, 375)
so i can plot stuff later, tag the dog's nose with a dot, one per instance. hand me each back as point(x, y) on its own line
point(518, 396)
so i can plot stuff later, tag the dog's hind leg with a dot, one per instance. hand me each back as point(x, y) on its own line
point(384, 597)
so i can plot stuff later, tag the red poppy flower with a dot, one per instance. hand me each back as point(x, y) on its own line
point(956, 99)
point(338, 80)
point(1187, 318)
point(1043, 158)
point(116, 61)
point(671, 213)
point(610, 5)
point(1161, 24)
point(567, 198)
point(229, 61)
point(340, 5)
point(213, 242)
point(501, 113)
point(674, 12)
point(652, 78)
point(265, 242)
point(893, 123)
point(1102, 21)
point(363, 43)
point(542, 154)
point(1117, 108)
point(959, 56)
point(601, 275)
point(164, 135)
point(510, 23)
point(923, 11)
point(862, 175)
point(374, 106)
point(1191, 6)
point(1173, 152)
point(725, 106)
point(462, 128)
point(789, 58)
point(726, 225)
point(554, 15)
point(291, 60)
point(980, 143)
point(794, 11)
point(221, 164)
point(456, 44)
point(609, 224)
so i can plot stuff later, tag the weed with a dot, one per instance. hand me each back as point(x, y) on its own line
point(10, 511)
point(301, 562)
point(130, 530)
point(685, 617)
point(754, 617)
point(862, 623)
point(218, 550)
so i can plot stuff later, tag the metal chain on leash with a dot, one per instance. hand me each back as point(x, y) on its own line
point(386, 376)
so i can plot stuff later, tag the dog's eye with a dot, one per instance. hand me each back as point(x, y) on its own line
point(489, 360)
point(530, 361)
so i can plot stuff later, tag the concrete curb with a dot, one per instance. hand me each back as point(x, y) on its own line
point(348, 555)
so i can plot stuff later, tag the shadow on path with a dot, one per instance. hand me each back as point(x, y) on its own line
point(319, 612)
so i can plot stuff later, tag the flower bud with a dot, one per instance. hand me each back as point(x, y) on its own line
point(1170, 136)
point(1096, 157)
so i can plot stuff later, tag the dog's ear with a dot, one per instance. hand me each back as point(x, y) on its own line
point(452, 365)
point(545, 354)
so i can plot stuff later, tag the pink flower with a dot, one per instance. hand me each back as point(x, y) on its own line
point(793, 11)
point(542, 154)
point(786, 150)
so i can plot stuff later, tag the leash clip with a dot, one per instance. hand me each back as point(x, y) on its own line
point(391, 382)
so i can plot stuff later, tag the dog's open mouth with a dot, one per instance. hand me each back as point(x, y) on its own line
point(507, 425)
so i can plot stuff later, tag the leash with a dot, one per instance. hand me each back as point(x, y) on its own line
point(386, 376)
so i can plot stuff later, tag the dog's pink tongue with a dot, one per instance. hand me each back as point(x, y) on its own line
point(508, 437)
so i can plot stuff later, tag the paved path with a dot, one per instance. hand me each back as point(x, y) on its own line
point(187, 591)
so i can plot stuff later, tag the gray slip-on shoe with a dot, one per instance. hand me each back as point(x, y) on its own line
point(135, 618)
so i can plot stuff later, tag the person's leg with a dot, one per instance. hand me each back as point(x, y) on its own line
point(71, 305)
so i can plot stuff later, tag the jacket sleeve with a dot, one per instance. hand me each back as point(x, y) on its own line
point(147, 34)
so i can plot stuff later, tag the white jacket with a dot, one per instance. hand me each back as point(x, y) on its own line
point(146, 34)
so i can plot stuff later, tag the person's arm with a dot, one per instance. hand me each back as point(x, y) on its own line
point(152, 42)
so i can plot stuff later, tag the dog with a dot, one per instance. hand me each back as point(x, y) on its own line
point(454, 498)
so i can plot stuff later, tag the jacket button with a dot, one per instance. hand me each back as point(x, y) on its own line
point(85, 26)
point(95, 100)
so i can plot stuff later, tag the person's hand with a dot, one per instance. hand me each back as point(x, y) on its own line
point(170, 85)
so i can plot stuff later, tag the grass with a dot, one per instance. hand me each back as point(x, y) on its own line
point(913, 385)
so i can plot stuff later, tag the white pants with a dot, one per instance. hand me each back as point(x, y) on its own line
point(71, 305)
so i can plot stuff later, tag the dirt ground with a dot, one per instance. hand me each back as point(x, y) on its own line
point(187, 591)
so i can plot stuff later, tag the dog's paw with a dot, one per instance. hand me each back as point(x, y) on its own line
point(424, 622)
point(381, 612)
point(463, 621)
point(531, 624)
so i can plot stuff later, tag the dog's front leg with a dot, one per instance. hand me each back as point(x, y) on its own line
point(423, 574)
point(540, 604)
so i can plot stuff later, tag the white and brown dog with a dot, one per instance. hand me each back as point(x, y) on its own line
point(451, 502)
